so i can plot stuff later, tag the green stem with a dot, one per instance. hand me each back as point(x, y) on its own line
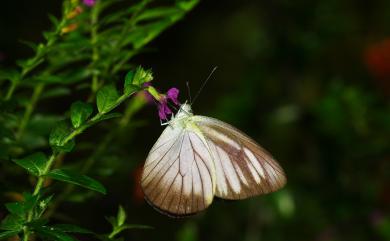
point(10, 91)
point(95, 51)
point(73, 134)
point(37, 189)
point(30, 108)
point(136, 104)
point(39, 56)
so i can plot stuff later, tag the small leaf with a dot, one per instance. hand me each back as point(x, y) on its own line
point(58, 136)
point(77, 179)
point(141, 76)
point(158, 12)
point(30, 200)
point(187, 5)
point(121, 217)
point(52, 233)
point(106, 98)
point(35, 163)
point(79, 113)
point(54, 20)
point(16, 208)
point(7, 234)
point(29, 44)
point(70, 228)
point(129, 87)
point(12, 75)
point(12, 223)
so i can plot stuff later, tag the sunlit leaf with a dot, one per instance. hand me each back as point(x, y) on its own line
point(77, 179)
point(79, 113)
point(35, 163)
point(129, 87)
point(121, 217)
point(58, 137)
point(106, 98)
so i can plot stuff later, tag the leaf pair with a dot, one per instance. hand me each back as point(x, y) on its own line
point(119, 224)
point(36, 164)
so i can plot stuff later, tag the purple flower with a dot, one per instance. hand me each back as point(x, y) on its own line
point(163, 109)
point(173, 94)
point(162, 100)
point(89, 3)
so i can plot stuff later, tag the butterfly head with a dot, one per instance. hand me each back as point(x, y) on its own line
point(184, 111)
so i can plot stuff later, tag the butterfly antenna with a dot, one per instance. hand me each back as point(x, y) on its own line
point(204, 83)
point(189, 91)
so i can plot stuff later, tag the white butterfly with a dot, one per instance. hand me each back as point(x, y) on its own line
point(197, 158)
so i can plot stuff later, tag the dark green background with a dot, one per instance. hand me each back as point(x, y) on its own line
point(291, 74)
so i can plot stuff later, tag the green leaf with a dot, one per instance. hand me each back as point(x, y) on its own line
point(35, 163)
point(141, 76)
point(12, 75)
point(12, 223)
point(187, 5)
point(79, 113)
point(52, 233)
point(106, 98)
point(121, 217)
point(58, 136)
point(7, 234)
point(54, 20)
point(158, 12)
point(16, 208)
point(70, 228)
point(129, 87)
point(21, 208)
point(77, 179)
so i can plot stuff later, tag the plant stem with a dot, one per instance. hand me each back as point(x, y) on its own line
point(30, 108)
point(10, 90)
point(95, 51)
point(37, 189)
point(49, 164)
point(136, 104)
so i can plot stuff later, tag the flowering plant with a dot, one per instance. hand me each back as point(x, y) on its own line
point(83, 57)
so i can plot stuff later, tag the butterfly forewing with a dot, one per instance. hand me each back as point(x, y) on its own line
point(243, 168)
point(179, 174)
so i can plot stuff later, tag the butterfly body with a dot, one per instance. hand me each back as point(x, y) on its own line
point(197, 158)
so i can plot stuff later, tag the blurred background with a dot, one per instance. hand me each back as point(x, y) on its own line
point(309, 80)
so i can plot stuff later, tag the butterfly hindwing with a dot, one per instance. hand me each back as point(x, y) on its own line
point(179, 174)
point(243, 168)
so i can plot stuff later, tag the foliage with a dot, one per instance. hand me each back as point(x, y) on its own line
point(84, 56)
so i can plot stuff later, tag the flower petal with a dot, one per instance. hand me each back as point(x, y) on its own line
point(173, 94)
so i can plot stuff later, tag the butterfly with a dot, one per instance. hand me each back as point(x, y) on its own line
point(197, 158)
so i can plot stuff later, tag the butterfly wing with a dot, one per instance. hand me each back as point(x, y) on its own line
point(179, 174)
point(243, 168)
